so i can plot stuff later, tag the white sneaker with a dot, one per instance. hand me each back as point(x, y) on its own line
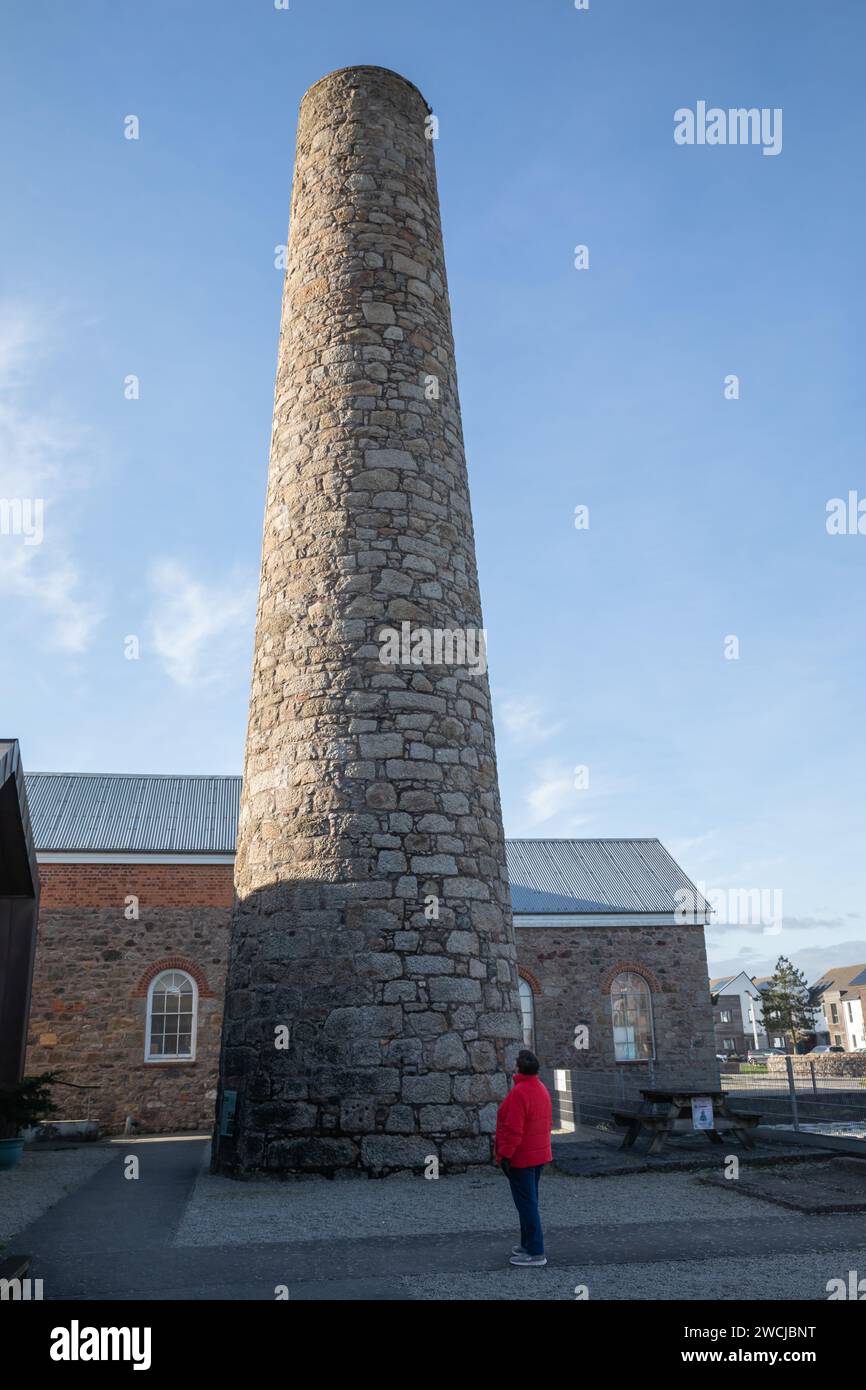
point(519, 1250)
point(527, 1259)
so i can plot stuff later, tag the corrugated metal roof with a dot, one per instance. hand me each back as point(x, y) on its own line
point(118, 813)
point(549, 876)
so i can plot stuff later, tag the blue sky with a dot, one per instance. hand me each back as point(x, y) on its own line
point(602, 387)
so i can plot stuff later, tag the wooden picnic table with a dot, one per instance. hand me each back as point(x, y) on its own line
point(666, 1112)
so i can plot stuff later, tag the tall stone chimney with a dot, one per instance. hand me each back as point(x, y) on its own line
point(371, 1002)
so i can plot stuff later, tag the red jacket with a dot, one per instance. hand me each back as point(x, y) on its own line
point(523, 1123)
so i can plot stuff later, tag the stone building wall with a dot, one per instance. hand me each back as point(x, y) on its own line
point(93, 967)
point(571, 970)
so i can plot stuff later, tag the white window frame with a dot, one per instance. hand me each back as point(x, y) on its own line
point(645, 984)
point(525, 989)
point(161, 1057)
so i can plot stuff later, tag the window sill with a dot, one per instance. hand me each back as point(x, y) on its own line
point(169, 1061)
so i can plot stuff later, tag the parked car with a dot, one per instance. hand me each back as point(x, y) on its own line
point(825, 1047)
point(755, 1054)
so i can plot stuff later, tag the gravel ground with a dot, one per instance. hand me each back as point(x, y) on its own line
point(702, 1280)
point(224, 1211)
point(41, 1179)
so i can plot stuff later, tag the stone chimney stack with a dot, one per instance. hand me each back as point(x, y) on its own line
point(371, 1004)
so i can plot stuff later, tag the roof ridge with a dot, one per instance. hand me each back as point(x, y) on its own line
point(589, 839)
point(152, 776)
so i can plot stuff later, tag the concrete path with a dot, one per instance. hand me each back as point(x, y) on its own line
point(113, 1238)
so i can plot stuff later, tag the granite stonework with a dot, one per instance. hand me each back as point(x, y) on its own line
point(94, 964)
point(571, 970)
point(821, 1064)
point(371, 1003)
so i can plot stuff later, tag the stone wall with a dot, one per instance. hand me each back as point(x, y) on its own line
point(370, 790)
point(825, 1064)
point(571, 970)
point(93, 967)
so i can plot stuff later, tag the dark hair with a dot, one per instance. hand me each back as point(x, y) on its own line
point(527, 1062)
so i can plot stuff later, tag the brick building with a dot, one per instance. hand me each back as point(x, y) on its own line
point(137, 887)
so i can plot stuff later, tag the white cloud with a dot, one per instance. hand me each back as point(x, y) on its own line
point(525, 720)
point(198, 631)
point(52, 588)
point(550, 796)
point(558, 794)
point(554, 795)
point(680, 848)
point(39, 459)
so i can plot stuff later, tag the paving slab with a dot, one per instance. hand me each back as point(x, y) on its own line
point(605, 1158)
point(835, 1186)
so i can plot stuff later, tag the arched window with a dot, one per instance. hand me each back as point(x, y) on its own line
point(631, 1005)
point(172, 1006)
point(527, 1012)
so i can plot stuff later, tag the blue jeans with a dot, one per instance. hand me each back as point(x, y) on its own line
point(524, 1190)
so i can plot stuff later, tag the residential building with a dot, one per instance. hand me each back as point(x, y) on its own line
point(840, 994)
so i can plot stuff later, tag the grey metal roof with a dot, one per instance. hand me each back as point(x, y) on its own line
point(619, 876)
point(114, 812)
point(148, 814)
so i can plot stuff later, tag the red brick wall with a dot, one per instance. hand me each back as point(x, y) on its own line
point(93, 965)
point(156, 885)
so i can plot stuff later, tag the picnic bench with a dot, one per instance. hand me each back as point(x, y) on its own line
point(666, 1112)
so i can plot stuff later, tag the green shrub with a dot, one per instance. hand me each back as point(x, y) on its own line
point(27, 1103)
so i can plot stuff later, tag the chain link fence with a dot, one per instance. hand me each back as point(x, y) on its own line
point(799, 1096)
point(801, 1099)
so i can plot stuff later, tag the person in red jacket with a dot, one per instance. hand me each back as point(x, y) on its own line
point(522, 1148)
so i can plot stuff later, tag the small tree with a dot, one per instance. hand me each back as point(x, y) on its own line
point(785, 1003)
point(27, 1103)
